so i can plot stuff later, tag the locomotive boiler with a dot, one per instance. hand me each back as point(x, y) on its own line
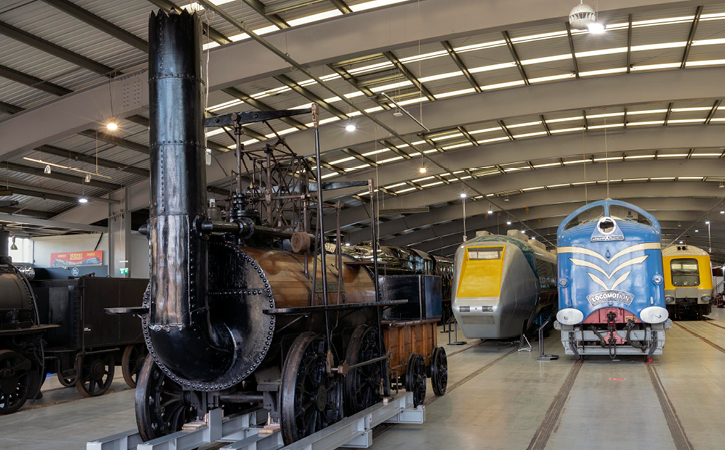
point(611, 290)
point(231, 317)
point(21, 345)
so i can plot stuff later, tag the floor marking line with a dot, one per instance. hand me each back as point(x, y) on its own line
point(714, 324)
point(467, 348)
point(541, 437)
point(673, 420)
point(702, 338)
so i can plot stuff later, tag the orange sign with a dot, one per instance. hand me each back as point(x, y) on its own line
point(69, 259)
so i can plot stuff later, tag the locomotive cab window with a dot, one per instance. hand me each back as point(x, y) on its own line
point(589, 215)
point(685, 272)
point(618, 212)
point(486, 253)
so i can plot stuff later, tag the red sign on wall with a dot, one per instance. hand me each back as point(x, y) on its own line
point(70, 259)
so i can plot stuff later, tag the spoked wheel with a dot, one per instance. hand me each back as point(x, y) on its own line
point(66, 382)
point(15, 381)
point(95, 373)
point(439, 371)
point(415, 378)
point(311, 399)
point(162, 406)
point(362, 384)
point(132, 362)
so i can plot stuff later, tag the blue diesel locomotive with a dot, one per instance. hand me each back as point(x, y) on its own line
point(611, 291)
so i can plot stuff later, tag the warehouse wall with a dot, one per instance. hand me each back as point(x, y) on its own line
point(44, 246)
point(139, 251)
point(139, 261)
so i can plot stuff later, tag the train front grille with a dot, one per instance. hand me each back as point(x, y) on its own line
point(477, 319)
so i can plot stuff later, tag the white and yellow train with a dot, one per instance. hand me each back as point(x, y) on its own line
point(688, 281)
point(502, 285)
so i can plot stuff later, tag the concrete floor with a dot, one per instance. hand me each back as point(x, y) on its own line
point(497, 398)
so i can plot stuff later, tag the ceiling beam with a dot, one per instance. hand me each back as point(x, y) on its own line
point(254, 103)
point(392, 147)
point(360, 157)
point(35, 82)
point(91, 159)
point(309, 95)
point(115, 140)
point(515, 56)
point(342, 6)
point(667, 115)
point(468, 136)
point(573, 52)
point(505, 130)
point(409, 75)
point(275, 19)
point(461, 66)
point(50, 194)
point(10, 213)
point(56, 50)
point(57, 175)
point(9, 109)
point(712, 112)
point(53, 224)
point(691, 37)
point(629, 44)
point(357, 85)
point(99, 23)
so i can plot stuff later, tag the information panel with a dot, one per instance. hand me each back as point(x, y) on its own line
point(70, 259)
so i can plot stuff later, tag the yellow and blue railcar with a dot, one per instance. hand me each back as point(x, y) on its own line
point(502, 285)
point(688, 281)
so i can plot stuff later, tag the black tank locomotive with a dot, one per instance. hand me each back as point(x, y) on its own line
point(21, 345)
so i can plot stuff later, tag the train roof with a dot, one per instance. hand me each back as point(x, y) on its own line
point(530, 248)
point(683, 250)
point(606, 204)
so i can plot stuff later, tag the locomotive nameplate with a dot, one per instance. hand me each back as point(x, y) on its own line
point(597, 298)
point(332, 286)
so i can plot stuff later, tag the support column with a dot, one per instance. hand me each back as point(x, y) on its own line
point(119, 236)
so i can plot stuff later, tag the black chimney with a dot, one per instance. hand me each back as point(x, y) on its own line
point(183, 342)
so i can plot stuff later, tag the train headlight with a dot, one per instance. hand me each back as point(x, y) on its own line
point(706, 298)
point(657, 279)
point(654, 314)
point(669, 299)
point(569, 316)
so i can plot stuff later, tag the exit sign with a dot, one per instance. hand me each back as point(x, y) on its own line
point(123, 271)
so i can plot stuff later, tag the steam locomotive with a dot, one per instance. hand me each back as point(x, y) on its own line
point(21, 345)
point(231, 317)
point(611, 283)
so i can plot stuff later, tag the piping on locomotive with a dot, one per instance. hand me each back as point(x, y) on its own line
point(688, 281)
point(503, 285)
point(611, 283)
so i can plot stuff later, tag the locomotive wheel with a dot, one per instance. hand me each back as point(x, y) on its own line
point(311, 399)
point(415, 378)
point(132, 362)
point(66, 382)
point(439, 371)
point(162, 407)
point(95, 374)
point(15, 381)
point(362, 384)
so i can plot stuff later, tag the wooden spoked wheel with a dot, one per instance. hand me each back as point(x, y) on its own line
point(132, 361)
point(311, 398)
point(15, 381)
point(95, 373)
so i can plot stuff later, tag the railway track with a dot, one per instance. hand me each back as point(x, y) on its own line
point(703, 338)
